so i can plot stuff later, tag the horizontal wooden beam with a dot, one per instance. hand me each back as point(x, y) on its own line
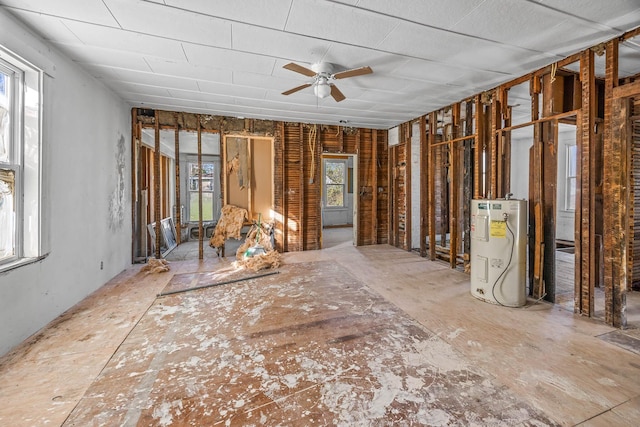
point(626, 90)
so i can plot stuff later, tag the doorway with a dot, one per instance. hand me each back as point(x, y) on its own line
point(339, 200)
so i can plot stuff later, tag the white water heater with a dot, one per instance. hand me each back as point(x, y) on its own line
point(498, 251)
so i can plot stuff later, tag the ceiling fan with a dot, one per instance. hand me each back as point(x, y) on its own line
point(322, 73)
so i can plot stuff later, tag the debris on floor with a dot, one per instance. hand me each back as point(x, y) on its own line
point(229, 226)
point(259, 236)
point(155, 265)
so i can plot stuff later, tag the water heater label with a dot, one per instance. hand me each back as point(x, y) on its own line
point(498, 229)
point(483, 206)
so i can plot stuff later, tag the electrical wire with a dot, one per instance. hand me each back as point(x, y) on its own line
point(513, 242)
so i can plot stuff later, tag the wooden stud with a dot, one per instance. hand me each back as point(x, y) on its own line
point(156, 184)
point(586, 218)
point(374, 186)
point(200, 226)
point(433, 120)
point(424, 192)
point(614, 193)
point(301, 217)
point(478, 190)
point(407, 187)
point(178, 223)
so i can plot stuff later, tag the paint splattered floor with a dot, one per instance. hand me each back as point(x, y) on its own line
point(344, 336)
point(310, 346)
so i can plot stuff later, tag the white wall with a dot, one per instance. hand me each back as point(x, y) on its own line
point(86, 192)
point(565, 220)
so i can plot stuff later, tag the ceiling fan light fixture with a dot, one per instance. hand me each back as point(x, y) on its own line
point(322, 89)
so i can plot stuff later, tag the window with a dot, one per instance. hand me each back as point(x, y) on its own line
point(20, 88)
point(208, 186)
point(335, 178)
point(570, 190)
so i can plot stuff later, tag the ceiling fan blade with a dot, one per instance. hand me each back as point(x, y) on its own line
point(352, 73)
point(336, 94)
point(295, 89)
point(300, 69)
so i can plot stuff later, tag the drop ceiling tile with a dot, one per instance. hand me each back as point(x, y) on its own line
point(50, 28)
point(332, 21)
point(627, 21)
point(155, 80)
point(287, 46)
point(603, 12)
point(189, 71)
point(272, 14)
point(91, 55)
point(231, 90)
point(511, 22)
point(223, 58)
point(171, 23)
point(93, 11)
point(116, 39)
point(436, 13)
point(138, 89)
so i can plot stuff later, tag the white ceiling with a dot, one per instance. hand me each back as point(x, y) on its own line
point(226, 57)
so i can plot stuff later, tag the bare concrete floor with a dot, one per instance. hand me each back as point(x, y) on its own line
point(549, 365)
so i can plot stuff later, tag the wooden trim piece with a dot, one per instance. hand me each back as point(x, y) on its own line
point(478, 192)
point(301, 217)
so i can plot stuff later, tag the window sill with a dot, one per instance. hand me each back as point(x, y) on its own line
point(19, 263)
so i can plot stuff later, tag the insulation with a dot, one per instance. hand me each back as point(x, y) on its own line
point(270, 259)
point(229, 225)
point(156, 265)
point(237, 149)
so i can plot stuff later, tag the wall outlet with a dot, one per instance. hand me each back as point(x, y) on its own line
point(101, 265)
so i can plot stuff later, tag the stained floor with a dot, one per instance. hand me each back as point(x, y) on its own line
point(343, 336)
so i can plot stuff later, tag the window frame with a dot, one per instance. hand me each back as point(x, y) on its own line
point(13, 163)
point(190, 192)
point(25, 159)
point(571, 179)
point(344, 163)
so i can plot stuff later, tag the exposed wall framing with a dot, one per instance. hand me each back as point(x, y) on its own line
point(297, 169)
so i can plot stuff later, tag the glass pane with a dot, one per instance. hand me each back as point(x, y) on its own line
point(572, 152)
point(571, 193)
point(207, 176)
point(335, 172)
point(335, 195)
point(5, 115)
point(207, 206)
point(7, 214)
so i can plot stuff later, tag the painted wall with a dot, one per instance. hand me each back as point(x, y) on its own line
point(86, 192)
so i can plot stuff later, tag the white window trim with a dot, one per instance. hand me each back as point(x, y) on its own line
point(567, 188)
point(344, 185)
point(27, 158)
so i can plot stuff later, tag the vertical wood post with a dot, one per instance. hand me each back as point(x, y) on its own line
point(200, 227)
point(178, 223)
point(156, 183)
point(374, 188)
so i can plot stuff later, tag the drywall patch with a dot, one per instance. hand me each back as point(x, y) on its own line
point(116, 199)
